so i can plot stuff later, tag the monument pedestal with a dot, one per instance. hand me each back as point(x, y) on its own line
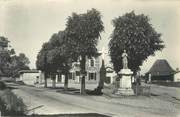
point(125, 86)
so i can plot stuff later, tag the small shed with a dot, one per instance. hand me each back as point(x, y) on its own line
point(161, 71)
point(110, 74)
point(31, 77)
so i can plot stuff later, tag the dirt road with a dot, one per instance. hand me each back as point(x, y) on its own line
point(53, 102)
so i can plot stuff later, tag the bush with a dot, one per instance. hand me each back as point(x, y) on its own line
point(2, 85)
point(141, 90)
point(2, 107)
point(11, 104)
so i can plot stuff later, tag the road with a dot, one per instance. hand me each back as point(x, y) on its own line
point(57, 102)
point(166, 91)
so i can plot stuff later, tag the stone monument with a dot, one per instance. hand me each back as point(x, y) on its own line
point(125, 74)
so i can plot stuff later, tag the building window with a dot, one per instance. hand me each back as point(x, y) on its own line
point(92, 62)
point(92, 76)
point(73, 76)
point(70, 76)
point(77, 73)
point(59, 77)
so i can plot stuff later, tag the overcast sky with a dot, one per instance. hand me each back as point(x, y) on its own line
point(30, 23)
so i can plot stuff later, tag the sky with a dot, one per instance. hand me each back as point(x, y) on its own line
point(29, 23)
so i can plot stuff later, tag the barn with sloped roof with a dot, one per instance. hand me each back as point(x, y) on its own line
point(161, 71)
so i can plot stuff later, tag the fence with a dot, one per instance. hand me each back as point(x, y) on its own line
point(142, 90)
point(138, 89)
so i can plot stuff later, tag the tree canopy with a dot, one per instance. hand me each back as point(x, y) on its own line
point(54, 55)
point(18, 63)
point(83, 32)
point(10, 63)
point(136, 35)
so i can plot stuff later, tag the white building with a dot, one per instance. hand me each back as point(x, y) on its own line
point(110, 75)
point(31, 77)
point(177, 77)
point(92, 69)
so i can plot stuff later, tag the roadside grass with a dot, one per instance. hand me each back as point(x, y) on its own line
point(10, 104)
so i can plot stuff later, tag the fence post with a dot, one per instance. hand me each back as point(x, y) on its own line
point(136, 90)
point(149, 91)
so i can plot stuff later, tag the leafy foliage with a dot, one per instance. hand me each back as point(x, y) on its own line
point(18, 63)
point(83, 32)
point(79, 38)
point(5, 60)
point(10, 104)
point(53, 55)
point(136, 35)
point(10, 63)
point(2, 85)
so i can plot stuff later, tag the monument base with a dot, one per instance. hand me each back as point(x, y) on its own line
point(125, 92)
point(125, 86)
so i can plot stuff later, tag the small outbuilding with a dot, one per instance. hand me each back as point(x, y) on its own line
point(161, 71)
point(31, 77)
point(177, 76)
point(110, 73)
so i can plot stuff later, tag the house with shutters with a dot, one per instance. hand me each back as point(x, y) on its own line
point(92, 70)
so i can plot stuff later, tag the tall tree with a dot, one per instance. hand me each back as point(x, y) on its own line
point(58, 57)
point(18, 63)
point(54, 57)
point(83, 32)
point(4, 55)
point(5, 59)
point(10, 63)
point(41, 62)
point(135, 34)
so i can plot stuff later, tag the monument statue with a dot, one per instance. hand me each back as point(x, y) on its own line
point(125, 60)
point(125, 75)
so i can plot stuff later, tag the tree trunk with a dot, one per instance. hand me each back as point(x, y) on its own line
point(102, 75)
point(83, 72)
point(45, 79)
point(66, 82)
point(54, 82)
point(83, 87)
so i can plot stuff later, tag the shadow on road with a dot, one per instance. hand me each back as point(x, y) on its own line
point(74, 91)
point(67, 115)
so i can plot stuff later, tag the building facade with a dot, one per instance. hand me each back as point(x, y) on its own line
point(177, 75)
point(92, 68)
point(31, 77)
point(160, 71)
point(110, 75)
